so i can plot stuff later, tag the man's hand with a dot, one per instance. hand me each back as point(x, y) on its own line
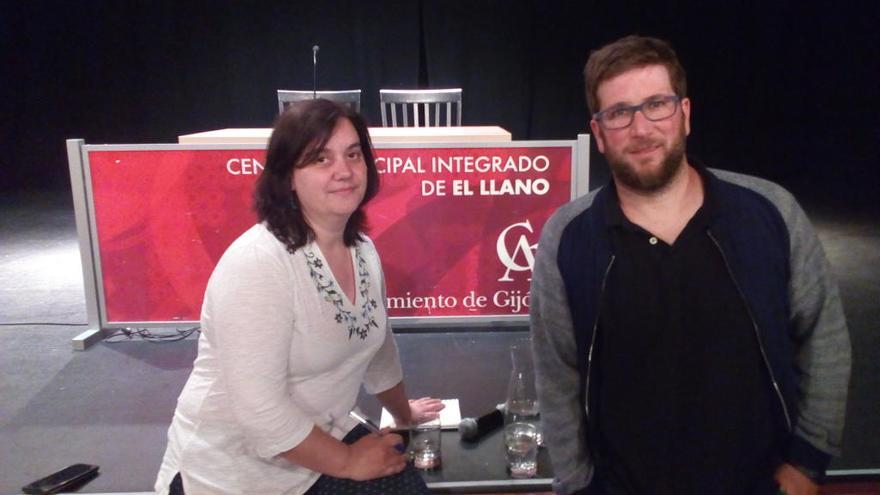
point(794, 482)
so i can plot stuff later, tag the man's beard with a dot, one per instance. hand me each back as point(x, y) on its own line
point(629, 175)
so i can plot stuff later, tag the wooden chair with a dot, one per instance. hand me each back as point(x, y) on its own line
point(422, 102)
point(350, 97)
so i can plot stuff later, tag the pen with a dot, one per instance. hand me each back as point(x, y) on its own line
point(368, 424)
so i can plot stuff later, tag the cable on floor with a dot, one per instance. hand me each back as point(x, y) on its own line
point(131, 334)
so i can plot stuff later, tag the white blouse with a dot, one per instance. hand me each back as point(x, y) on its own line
point(282, 350)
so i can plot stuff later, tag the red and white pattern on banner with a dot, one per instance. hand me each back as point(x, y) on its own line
point(164, 218)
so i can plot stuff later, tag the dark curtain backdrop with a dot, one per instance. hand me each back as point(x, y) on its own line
point(787, 90)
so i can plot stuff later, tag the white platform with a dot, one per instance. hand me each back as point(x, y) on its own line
point(464, 134)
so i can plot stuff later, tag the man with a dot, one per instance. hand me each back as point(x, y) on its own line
point(687, 336)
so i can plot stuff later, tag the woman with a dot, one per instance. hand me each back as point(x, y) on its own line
point(293, 322)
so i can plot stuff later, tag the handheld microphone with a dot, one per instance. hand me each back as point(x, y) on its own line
point(472, 430)
point(315, 49)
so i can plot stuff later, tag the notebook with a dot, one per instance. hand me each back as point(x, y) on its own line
point(450, 416)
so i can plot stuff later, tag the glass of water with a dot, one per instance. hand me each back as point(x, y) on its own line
point(521, 444)
point(424, 445)
point(522, 399)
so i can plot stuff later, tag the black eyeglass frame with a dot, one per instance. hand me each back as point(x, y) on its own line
point(600, 116)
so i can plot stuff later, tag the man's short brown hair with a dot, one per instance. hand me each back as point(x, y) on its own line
point(628, 53)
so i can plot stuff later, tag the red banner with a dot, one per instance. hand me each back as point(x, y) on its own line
point(456, 227)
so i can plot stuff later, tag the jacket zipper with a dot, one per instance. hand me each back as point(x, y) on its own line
point(757, 331)
point(593, 339)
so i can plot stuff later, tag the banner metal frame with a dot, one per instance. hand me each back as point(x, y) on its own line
point(87, 233)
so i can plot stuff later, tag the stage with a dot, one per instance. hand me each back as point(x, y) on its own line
point(111, 405)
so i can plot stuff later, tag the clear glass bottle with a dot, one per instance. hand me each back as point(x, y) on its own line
point(522, 399)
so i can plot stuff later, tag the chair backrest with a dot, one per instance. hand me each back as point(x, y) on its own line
point(351, 97)
point(396, 102)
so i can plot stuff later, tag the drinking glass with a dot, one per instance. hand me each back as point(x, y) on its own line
point(521, 444)
point(424, 445)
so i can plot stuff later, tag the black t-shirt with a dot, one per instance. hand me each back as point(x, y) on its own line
point(685, 400)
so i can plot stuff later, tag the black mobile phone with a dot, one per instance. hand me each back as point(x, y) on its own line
point(69, 477)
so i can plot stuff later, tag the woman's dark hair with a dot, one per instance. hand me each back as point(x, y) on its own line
point(300, 133)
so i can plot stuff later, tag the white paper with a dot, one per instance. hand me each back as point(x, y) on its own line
point(450, 416)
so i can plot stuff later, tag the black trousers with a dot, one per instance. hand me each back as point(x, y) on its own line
point(407, 482)
point(176, 487)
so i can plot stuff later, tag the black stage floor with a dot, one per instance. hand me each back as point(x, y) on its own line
point(112, 404)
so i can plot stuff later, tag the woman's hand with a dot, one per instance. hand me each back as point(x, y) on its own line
point(375, 456)
point(409, 412)
point(793, 482)
point(425, 409)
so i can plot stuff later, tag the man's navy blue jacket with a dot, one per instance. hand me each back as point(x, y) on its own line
point(780, 270)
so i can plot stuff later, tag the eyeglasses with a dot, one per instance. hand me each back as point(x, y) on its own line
point(659, 108)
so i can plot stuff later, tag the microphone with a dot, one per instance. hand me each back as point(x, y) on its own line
point(315, 49)
point(472, 430)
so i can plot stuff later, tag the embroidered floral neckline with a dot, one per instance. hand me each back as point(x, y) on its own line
point(359, 324)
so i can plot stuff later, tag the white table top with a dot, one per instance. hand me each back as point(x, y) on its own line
point(462, 134)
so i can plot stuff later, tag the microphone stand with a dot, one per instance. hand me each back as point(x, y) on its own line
point(315, 72)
